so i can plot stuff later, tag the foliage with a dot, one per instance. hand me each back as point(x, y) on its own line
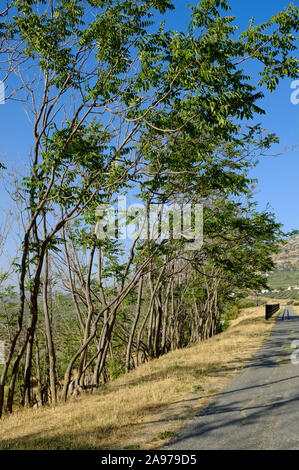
point(124, 105)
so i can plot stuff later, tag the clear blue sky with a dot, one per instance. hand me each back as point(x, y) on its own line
point(278, 176)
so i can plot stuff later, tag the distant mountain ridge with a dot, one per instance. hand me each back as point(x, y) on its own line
point(288, 258)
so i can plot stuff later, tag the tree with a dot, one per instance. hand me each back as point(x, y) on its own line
point(116, 103)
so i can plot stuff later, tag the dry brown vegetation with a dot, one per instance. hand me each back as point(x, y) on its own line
point(147, 406)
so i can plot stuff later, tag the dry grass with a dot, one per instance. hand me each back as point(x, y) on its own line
point(144, 408)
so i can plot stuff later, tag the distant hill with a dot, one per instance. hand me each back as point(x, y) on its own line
point(286, 273)
point(288, 258)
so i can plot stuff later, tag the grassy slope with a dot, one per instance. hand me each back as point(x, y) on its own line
point(283, 279)
point(144, 408)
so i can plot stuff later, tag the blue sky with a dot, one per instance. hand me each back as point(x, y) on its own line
point(278, 176)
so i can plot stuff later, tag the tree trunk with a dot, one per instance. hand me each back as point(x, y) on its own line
point(134, 326)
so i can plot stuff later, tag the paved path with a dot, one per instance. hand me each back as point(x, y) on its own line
point(260, 407)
